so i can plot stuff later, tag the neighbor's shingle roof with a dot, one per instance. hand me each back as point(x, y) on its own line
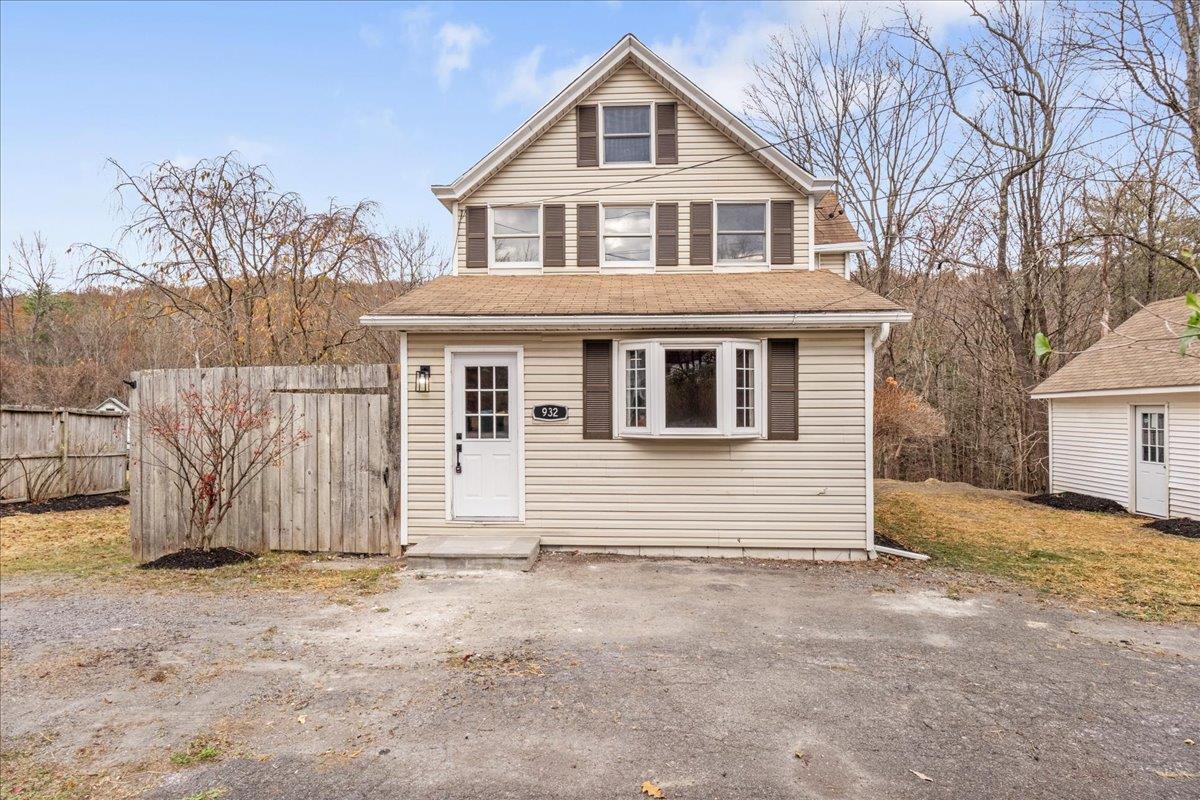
point(662, 293)
point(830, 225)
point(1141, 353)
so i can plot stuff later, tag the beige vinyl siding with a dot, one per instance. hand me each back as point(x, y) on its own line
point(1091, 447)
point(808, 493)
point(834, 262)
point(1183, 454)
point(547, 168)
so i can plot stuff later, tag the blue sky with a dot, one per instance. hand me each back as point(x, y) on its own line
point(350, 101)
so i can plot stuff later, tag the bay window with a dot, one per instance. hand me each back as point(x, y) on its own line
point(741, 233)
point(517, 237)
point(690, 387)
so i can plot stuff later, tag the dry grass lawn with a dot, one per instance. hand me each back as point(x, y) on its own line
point(95, 544)
point(1102, 560)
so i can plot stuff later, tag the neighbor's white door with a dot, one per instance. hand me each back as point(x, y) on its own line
point(484, 461)
point(1150, 478)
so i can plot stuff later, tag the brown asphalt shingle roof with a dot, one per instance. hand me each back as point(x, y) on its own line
point(830, 225)
point(662, 293)
point(1141, 353)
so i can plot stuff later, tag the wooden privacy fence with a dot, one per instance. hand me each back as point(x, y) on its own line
point(59, 452)
point(338, 492)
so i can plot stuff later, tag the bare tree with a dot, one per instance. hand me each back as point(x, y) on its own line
point(214, 442)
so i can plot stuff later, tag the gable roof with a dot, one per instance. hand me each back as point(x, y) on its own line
point(1141, 353)
point(583, 300)
point(630, 50)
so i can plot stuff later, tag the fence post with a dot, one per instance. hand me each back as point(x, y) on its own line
point(65, 438)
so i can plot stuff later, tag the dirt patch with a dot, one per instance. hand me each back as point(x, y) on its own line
point(1180, 526)
point(518, 663)
point(193, 558)
point(79, 502)
point(1071, 501)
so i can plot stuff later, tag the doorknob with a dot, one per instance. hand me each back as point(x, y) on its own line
point(458, 454)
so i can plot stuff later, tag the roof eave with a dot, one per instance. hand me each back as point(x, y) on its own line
point(1137, 390)
point(567, 322)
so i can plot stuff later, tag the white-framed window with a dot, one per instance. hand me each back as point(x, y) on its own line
point(625, 134)
point(741, 231)
point(628, 236)
point(690, 387)
point(516, 239)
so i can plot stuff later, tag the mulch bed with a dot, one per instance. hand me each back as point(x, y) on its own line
point(1071, 501)
point(192, 558)
point(1180, 526)
point(79, 502)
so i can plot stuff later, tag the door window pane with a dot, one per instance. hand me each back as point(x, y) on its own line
point(690, 388)
point(744, 387)
point(485, 403)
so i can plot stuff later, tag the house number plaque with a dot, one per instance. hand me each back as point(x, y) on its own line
point(549, 413)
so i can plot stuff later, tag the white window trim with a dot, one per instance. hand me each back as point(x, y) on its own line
point(741, 266)
point(600, 141)
point(515, 266)
point(656, 389)
point(629, 266)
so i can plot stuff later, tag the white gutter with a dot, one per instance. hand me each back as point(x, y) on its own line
point(638, 321)
point(1113, 392)
point(840, 247)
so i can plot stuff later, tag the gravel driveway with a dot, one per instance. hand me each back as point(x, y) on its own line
point(588, 676)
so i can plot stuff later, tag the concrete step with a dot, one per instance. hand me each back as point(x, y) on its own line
point(471, 552)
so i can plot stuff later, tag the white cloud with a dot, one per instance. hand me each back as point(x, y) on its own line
point(371, 36)
point(526, 84)
point(455, 43)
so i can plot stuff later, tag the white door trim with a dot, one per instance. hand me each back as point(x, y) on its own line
point(404, 402)
point(518, 422)
point(1135, 444)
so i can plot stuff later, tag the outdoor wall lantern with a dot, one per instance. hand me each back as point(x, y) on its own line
point(423, 379)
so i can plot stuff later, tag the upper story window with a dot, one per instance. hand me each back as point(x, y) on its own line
point(516, 237)
point(628, 239)
point(626, 132)
point(690, 387)
point(741, 233)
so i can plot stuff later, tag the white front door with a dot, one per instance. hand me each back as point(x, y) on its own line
point(1150, 478)
point(486, 426)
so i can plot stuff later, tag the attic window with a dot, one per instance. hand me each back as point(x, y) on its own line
point(626, 134)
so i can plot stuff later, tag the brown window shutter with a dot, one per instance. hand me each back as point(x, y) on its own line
point(477, 237)
point(597, 388)
point(666, 134)
point(554, 236)
point(587, 235)
point(782, 224)
point(666, 234)
point(783, 390)
point(587, 143)
point(701, 232)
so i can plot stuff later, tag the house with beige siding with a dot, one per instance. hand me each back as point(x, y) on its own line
point(648, 343)
point(1124, 416)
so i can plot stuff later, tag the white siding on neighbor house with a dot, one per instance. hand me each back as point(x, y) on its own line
point(1091, 447)
point(547, 167)
point(809, 493)
point(1183, 454)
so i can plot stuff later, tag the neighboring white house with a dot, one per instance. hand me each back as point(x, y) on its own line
point(648, 343)
point(1125, 417)
point(115, 405)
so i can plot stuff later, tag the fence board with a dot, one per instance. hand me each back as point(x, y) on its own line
point(328, 495)
point(62, 452)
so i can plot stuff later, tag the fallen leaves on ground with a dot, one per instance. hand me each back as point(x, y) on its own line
point(651, 790)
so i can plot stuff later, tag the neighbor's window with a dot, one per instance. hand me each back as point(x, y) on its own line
point(627, 237)
point(516, 236)
point(687, 387)
point(626, 134)
point(741, 233)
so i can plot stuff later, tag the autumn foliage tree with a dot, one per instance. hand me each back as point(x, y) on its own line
point(214, 442)
point(902, 418)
